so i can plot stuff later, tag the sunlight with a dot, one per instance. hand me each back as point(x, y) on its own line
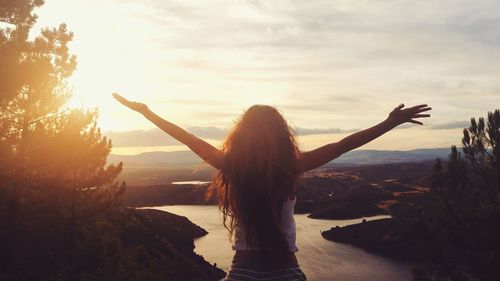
point(377, 141)
point(200, 65)
point(114, 54)
point(133, 150)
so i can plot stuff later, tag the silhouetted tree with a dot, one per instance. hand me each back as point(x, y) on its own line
point(61, 215)
point(52, 159)
point(464, 229)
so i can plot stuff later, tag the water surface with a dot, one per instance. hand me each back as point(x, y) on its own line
point(191, 182)
point(320, 259)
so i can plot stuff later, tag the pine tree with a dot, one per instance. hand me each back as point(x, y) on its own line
point(465, 227)
point(61, 215)
point(52, 159)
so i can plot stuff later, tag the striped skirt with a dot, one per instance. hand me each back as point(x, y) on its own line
point(267, 266)
point(244, 274)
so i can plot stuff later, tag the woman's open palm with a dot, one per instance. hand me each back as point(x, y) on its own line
point(137, 106)
point(399, 115)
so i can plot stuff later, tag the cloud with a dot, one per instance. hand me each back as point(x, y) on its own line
point(316, 131)
point(325, 64)
point(450, 125)
point(152, 137)
point(209, 132)
point(156, 137)
point(377, 54)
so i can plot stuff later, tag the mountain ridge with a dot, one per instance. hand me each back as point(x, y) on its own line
point(363, 157)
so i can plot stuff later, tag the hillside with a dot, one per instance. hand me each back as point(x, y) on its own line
point(395, 238)
point(367, 157)
point(166, 240)
point(327, 193)
point(367, 190)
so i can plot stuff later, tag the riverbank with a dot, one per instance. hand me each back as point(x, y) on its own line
point(391, 237)
point(167, 243)
point(319, 258)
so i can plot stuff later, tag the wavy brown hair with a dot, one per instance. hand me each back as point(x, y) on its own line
point(259, 174)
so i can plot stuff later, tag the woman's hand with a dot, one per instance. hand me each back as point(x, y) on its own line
point(137, 106)
point(399, 115)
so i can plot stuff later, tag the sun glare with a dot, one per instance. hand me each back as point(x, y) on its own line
point(115, 54)
point(205, 72)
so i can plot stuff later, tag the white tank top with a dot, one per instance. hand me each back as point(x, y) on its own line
point(287, 223)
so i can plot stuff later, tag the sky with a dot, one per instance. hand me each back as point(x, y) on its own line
point(331, 67)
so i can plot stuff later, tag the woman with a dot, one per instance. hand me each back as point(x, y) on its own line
point(255, 183)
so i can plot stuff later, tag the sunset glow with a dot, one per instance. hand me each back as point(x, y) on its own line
point(233, 140)
point(342, 64)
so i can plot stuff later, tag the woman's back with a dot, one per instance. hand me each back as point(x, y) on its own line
point(287, 225)
point(251, 263)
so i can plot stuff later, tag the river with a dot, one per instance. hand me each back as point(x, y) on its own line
point(320, 259)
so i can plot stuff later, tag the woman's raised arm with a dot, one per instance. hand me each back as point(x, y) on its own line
point(315, 158)
point(206, 151)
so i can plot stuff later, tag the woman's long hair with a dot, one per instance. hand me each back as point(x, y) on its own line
point(259, 174)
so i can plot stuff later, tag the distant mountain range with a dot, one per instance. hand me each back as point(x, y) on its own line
point(365, 157)
point(358, 157)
